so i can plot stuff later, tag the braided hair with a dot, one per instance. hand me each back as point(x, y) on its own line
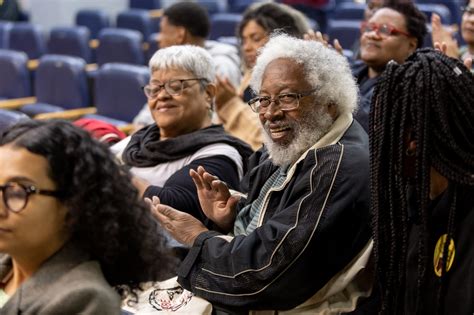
point(427, 99)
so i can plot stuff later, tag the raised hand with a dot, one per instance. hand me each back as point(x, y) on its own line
point(442, 37)
point(216, 201)
point(318, 36)
point(180, 225)
point(225, 92)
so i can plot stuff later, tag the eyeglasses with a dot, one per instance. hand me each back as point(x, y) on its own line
point(467, 9)
point(382, 30)
point(16, 195)
point(172, 87)
point(286, 101)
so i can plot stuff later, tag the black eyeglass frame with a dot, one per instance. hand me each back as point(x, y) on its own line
point(166, 84)
point(277, 98)
point(29, 190)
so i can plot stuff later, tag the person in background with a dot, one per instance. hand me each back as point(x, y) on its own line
point(187, 23)
point(392, 33)
point(258, 22)
point(422, 185)
point(307, 210)
point(180, 98)
point(71, 224)
point(443, 36)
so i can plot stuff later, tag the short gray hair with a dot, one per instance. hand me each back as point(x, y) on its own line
point(193, 59)
point(324, 68)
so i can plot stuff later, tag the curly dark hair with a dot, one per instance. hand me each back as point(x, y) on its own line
point(106, 217)
point(427, 99)
point(415, 20)
point(271, 17)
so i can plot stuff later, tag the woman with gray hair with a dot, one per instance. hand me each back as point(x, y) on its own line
point(180, 97)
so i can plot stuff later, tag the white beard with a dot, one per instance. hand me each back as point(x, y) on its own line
point(312, 127)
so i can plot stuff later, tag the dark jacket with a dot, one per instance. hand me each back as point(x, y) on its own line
point(311, 229)
point(67, 283)
point(366, 88)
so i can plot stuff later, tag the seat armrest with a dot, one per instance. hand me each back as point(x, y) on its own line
point(15, 103)
point(71, 114)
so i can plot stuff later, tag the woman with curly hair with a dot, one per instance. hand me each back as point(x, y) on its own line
point(71, 224)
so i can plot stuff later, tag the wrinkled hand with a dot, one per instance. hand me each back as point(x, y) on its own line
point(225, 92)
point(180, 225)
point(443, 39)
point(318, 37)
point(216, 201)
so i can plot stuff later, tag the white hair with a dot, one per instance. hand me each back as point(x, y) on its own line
point(193, 59)
point(324, 68)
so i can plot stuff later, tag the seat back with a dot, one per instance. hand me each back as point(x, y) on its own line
point(95, 20)
point(145, 4)
point(28, 38)
point(8, 118)
point(349, 11)
point(62, 81)
point(120, 45)
point(5, 28)
point(224, 25)
point(346, 31)
point(71, 41)
point(14, 75)
point(429, 8)
point(136, 19)
point(118, 90)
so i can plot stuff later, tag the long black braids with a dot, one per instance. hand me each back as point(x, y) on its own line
point(427, 99)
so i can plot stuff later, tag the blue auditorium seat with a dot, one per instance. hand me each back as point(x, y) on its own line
point(14, 78)
point(429, 8)
point(454, 7)
point(118, 92)
point(95, 20)
point(136, 19)
point(145, 4)
point(5, 28)
point(71, 41)
point(8, 118)
point(224, 25)
point(346, 31)
point(120, 45)
point(152, 46)
point(349, 11)
point(212, 6)
point(60, 84)
point(28, 38)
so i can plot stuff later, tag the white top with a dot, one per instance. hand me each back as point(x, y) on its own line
point(158, 175)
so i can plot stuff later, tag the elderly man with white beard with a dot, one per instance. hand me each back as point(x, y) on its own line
point(300, 239)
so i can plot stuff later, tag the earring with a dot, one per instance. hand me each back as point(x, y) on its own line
point(410, 152)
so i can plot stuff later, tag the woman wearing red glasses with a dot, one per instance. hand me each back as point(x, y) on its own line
point(71, 224)
point(392, 33)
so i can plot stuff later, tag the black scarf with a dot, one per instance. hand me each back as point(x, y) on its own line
point(145, 148)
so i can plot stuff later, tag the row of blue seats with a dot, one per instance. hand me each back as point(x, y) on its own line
point(62, 83)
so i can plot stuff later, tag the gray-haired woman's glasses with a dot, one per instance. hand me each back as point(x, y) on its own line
point(16, 195)
point(172, 87)
point(285, 101)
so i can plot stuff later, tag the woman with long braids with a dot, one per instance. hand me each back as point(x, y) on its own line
point(422, 164)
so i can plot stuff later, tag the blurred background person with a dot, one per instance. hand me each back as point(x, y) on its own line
point(392, 33)
point(71, 224)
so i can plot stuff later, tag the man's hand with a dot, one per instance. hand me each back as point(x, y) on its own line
point(182, 226)
point(216, 201)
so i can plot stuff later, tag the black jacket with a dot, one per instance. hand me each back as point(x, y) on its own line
point(311, 230)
